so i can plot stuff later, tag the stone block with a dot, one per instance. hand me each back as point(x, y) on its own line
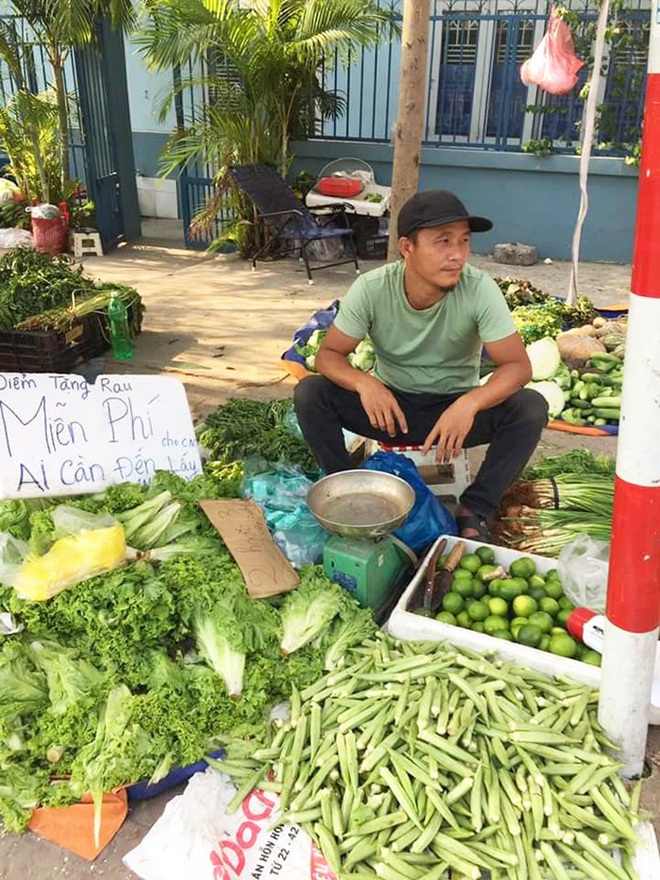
point(514, 253)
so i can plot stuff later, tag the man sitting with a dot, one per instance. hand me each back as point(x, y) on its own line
point(428, 317)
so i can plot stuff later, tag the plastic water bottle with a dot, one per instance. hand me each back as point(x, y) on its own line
point(120, 334)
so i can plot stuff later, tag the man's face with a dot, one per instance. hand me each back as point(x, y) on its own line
point(438, 253)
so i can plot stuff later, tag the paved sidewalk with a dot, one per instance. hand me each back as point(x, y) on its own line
point(221, 328)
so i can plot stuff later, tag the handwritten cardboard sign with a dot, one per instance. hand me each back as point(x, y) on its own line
point(243, 529)
point(60, 435)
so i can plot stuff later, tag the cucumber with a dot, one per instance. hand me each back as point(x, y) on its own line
point(606, 402)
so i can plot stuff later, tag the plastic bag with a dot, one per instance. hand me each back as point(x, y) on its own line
point(554, 65)
point(282, 495)
point(15, 238)
point(583, 568)
point(196, 837)
point(85, 545)
point(320, 320)
point(428, 518)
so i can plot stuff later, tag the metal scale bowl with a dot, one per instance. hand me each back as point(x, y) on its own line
point(361, 508)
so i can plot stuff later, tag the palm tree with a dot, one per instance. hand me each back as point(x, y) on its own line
point(259, 67)
point(61, 26)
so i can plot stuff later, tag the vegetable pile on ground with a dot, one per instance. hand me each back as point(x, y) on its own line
point(43, 292)
point(243, 428)
point(537, 315)
point(520, 605)
point(154, 664)
point(559, 498)
point(363, 358)
point(419, 761)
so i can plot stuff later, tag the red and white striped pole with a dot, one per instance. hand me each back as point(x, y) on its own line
point(633, 594)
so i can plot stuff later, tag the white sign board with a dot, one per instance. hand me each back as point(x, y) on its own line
point(60, 435)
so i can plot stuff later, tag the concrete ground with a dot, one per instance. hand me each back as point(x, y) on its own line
point(221, 329)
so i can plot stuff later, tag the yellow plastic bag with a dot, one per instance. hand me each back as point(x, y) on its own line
point(90, 544)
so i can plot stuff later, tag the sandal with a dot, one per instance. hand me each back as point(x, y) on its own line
point(478, 523)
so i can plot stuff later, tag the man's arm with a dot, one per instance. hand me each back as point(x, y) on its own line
point(377, 400)
point(513, 372)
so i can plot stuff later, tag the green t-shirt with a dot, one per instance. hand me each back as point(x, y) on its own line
point(435, 350)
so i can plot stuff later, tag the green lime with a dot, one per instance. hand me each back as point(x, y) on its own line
point(523, 567)
point(471, 562)
point(542, 620)
point(554, 589)
point(478, 610)
point(494, 587)
point(446, 617)
point(553, 574)
point(485, 570)
point(562, 616)
point(563, 645)
point(544, 644)
point(452, 602)
point(503, 634)
point(592, 657)
point(493, 622)
point(498, 607)
point(478, 589)
point(477, 626)
point(486, 554)
point(549, 605)
point(536, 580)
point(463, 587)
point(463, 619)
point(565, 603)
point(524, 606)
point(530, 635)
point(461, 573)
point(537, 593)
point(558, 629)
point(509, 589)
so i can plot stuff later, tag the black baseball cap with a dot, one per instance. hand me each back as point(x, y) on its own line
point(435, 207)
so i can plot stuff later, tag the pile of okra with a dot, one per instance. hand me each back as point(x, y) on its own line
point(419, 761)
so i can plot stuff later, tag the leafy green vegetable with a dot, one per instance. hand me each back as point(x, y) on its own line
point(537, 321)
point(22, 686)
point(307, 610)
point(70, 678)
point(345, 633)
point(577, 461)
point(242, 428)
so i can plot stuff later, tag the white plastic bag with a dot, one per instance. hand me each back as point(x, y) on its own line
point(583, 567)
point(196, 837)
point(15, 238)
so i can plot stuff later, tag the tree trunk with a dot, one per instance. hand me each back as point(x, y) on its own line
point(412, 106)
point(63, 117)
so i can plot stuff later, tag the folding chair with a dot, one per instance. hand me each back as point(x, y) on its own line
point(290, 220)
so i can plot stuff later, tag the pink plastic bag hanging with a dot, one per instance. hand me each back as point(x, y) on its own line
point(554, 65)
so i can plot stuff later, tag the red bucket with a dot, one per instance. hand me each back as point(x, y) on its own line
point(51, 236)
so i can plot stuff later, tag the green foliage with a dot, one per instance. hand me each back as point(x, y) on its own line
point(538, 320)
point(539, 147)
point(261, 70)
point(242, 428)
point(29, 136)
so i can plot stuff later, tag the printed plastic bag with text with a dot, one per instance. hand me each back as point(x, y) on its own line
point(429, 518)
point(554, 65)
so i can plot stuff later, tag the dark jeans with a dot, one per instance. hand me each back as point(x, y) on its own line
point(512, 429)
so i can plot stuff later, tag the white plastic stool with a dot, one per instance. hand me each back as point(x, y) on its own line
point(86, 242)
point(445, 480)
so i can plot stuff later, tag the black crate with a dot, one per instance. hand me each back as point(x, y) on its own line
point(371, 247)
point(58, 351)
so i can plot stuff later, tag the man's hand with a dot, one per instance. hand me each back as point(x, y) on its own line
point(381, 406)
point(451, 430)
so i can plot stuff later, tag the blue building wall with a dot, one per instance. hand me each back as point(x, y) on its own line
point(530, 199)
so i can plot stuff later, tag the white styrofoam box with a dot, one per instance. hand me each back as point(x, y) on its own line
point(166, 205)
point(157, 197)
point(403, 624)
point(147, 202)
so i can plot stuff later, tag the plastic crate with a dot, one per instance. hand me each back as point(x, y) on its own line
point(371, 247)
point(59, 351)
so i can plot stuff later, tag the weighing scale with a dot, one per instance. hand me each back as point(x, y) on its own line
point(361, 508)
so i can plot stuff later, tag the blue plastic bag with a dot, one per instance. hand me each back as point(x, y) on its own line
point(320, 320)
point(428, 518)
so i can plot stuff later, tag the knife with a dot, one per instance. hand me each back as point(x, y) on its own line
point(430, 574)
point(437, 584)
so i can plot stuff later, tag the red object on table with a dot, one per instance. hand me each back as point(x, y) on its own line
point(342, 187)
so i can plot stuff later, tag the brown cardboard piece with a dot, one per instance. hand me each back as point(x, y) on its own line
point(242, 526)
